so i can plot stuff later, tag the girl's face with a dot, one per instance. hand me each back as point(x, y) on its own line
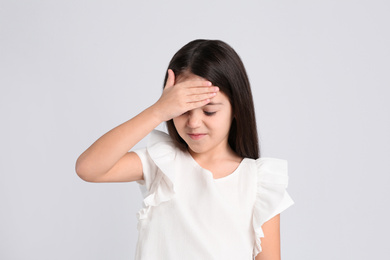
point(206, 129)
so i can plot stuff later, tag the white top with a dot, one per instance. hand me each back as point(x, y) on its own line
point(188, 214)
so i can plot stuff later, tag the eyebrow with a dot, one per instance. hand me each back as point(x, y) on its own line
point(212, 104)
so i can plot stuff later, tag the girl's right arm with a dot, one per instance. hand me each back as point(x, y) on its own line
point(108, 159)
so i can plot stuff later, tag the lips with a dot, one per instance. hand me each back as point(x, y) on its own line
point(196, 136)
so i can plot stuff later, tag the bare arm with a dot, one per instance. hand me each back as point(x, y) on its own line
point(108, 159)
point(270, 243)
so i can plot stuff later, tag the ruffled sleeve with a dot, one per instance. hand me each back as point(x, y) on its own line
point(158, 171)
point(271, 197)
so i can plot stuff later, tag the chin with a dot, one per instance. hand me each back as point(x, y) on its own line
point(196, 148)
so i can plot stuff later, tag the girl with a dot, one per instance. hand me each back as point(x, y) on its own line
point(207, 194)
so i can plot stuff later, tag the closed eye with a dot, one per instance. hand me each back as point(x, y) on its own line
point(209, 113)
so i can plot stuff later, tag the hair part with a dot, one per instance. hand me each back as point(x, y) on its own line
point(217, 62)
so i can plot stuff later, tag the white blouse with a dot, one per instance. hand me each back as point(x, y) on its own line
point(188, 214)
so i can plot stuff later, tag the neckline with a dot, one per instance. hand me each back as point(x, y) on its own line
point(197, 165)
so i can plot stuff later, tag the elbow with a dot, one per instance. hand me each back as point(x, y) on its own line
point(84, 171)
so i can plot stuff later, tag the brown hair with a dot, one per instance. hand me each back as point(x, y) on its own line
point(217, 62)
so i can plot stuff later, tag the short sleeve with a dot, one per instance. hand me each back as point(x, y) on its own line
point(158, 170)
point(149, 170)
point(271, 196)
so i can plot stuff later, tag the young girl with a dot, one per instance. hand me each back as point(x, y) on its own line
point(207, 193)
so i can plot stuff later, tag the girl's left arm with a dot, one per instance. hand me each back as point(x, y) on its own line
point(270, 243)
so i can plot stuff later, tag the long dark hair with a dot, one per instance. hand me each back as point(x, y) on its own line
point(217, 62)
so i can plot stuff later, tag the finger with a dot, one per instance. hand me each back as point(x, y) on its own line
point(197, 83)
point(200, 97)
point(171, 79)
point(200, 103)
point(203, 90)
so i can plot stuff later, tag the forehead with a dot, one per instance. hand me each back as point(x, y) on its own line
point(220, 98)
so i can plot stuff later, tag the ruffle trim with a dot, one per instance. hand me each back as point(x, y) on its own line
point(162, 151)
point(271, 196)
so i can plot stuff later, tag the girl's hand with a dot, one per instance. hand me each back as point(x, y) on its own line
point(184, 96)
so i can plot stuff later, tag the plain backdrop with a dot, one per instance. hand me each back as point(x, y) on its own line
point(72, 70)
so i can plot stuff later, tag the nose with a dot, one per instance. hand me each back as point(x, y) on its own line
point(194, 119)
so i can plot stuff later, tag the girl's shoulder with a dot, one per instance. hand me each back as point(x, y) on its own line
point(266, 167)
point(273, 168)
point(157, 136)
point(271, 194)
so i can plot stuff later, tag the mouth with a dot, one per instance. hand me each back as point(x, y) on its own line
point(196, 136)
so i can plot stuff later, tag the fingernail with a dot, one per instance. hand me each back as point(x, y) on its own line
point(216, 88)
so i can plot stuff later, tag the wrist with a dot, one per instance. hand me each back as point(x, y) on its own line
point(156, 114)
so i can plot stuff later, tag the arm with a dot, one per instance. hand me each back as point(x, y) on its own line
point(108, 159)
point(270, 243)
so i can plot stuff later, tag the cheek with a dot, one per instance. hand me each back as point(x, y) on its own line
point(221, 123)
point(178, 123)
point(227, 121)
point(225, 118)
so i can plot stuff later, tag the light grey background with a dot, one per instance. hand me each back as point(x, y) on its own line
point(72, 70)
